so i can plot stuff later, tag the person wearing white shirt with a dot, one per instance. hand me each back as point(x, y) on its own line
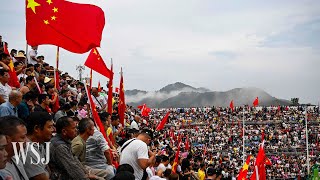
point(134, 123)
point(32, 55)
point(5, 89)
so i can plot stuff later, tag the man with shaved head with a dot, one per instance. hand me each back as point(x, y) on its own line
point(9, 108)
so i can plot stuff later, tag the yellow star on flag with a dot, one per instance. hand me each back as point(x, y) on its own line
point(55, 9)
point(95, 52)
point(46, 21)
point(32, 4)
point(49, 1)
point(53, 18)
point(245, 167)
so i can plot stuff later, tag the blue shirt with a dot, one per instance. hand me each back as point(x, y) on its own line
point(23, 110)
point(7, 109)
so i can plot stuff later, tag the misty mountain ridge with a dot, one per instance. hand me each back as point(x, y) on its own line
point(182, 95)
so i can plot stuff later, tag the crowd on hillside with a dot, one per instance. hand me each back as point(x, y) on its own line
point(40, 112)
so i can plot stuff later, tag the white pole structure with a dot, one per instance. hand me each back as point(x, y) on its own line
point(243, 131)
point(307, 143)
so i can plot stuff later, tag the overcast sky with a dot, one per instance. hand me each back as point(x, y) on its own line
point(273, 45)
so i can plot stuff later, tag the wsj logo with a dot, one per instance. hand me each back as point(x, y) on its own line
point(35, 149)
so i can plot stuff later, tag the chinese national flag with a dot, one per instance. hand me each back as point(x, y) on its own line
point(144, 110)
point(122, 103)
point(244, 170)
point(13, 80)
point(163, 122)
point(187, 144)
point(110, 92)
point(176, 159)
point(96, 63)
point(256, 102)
point(231, 105)
point(268, 162)
point(95, 115)
point(72, 26)
point(99, 87)
point(260, 169)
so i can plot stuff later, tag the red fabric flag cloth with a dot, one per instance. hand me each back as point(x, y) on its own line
point(99, 87)
point(122, 102)
point(256, 102)
point(13, 80)
point(231, 105)
point(268, 162)
point(260, 169)
point(163, 122)
point(96, 63)
point(187, 144)
point(176, 159)
point(63, 23)
point(95, 115)
point(145, 110)
point(244, 170)
point(110, 92)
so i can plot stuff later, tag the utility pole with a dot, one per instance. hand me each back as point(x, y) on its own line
point(80, 70)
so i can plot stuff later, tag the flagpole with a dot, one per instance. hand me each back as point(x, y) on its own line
point(307, 143)
point(57, 69)
point(243, 131)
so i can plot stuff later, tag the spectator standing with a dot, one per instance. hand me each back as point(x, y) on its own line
point(5, 89)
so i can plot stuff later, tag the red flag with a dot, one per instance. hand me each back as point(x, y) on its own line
point(163, 122)
point(122, 103)
point(144, 110)
point(187, 144)
point(268, 162)
point(204, 150)
point(63, 24)
point(256, 102)
point(244, 170)
point(99, 87)
point(260, 169)
point(13, 80)
point(176, 159)
point(110, 91)
point(95, 114)
point(231, 105)
point(262, 135)
point(96, 63)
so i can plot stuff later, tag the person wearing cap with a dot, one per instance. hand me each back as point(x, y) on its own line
point(135, 153)
point(20, 57)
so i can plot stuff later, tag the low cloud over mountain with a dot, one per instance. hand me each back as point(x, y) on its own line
point(182, 95)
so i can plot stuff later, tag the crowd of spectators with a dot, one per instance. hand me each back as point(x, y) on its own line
point(134, 150)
